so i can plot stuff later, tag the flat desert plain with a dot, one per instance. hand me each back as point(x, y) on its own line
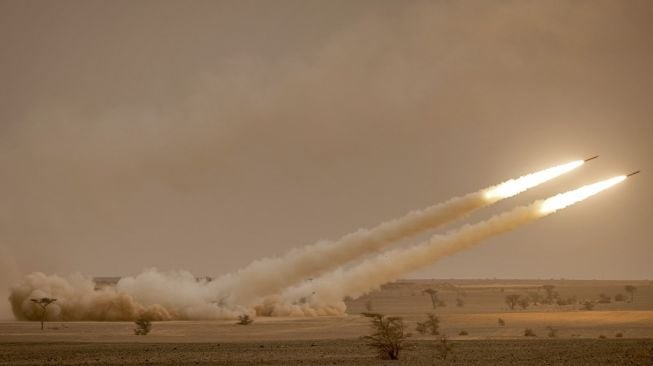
point(566, 333)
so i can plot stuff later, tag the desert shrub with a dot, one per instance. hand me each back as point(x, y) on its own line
point(443, 347)
point(553, 333)
point(619, 335)
point(528, 332)
point(602, 336)
point(512, 300)
point(568, 301)
point(619, 298)
point(431, 325)
point(524, 303)
point(501, 322)
point(463, 333)
point(535, 297)
point(588, 305)
point(550, 294)
point(460, 302)
point(604, 299)
point(388, 336)
point(630, 289)
point(143, 326)
point(244, 320)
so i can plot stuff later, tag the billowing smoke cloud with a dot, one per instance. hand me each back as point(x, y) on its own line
point(271, 275)
point(325, 294)
point(153, 294)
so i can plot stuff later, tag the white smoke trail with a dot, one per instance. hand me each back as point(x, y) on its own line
point(323, 296)
point(270, 275)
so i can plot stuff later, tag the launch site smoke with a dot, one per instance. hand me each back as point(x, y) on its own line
point(273, 286)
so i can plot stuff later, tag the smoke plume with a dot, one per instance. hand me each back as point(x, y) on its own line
point(323, 295)
point(179, 295)
point(270, 275)
point(153, 294)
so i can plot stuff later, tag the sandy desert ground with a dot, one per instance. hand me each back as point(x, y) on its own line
point(582, 337)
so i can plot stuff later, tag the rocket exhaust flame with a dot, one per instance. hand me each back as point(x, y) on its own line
point(521, 184)
point(569, 198)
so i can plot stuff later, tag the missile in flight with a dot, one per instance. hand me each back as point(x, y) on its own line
point(633, 173)
point(592, 158)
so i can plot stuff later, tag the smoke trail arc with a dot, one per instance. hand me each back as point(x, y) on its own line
point(324, 295)
point(270, 275)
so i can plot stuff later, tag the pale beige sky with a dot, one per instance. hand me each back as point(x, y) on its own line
point(202, 135)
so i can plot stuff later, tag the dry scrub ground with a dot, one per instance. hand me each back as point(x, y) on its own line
point(335, 340)
point(333, 352)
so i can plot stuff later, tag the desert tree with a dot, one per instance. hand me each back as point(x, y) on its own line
point(43, 303)
point(435, 300)
point(501, 322)
point(512, 300)
point(619, 298)
point(244, 320)
point(523, 302)
point(630, 289)
point(388, 336)
point(143, 326)
point(588, 305)
point(460, 302)
point(550, 294)
point(535, 297)
point(431, 325)
point(443, 347)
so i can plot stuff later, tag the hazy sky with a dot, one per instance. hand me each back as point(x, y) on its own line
point(202, 135)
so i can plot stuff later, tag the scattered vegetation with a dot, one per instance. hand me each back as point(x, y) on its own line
point(388, 337)
point(523, 302)
point(431, 325)
point(550, 294)
point(588, 305)
point(535, 298)
point(143, 326)
point(463, 333)
point(501, 322)
point(460, 302)
point(528, 332)
point(619, 298)
point(443, 347)
point(602, 336)
point(619, 335)
point(43, 304)
point(604, 299)
point(512, 300)
point(435, 300)
point(630, 289)
point(568, 301)
point(244, 319)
